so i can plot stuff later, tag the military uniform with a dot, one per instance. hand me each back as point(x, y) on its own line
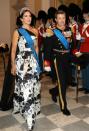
point(84, 54)
point(55, 50)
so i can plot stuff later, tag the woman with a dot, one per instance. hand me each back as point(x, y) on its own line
point(24, 64)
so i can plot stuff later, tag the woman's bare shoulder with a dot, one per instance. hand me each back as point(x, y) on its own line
point(15, 36)
point(15, 33)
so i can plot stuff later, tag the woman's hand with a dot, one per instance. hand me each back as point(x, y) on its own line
point(13, 69)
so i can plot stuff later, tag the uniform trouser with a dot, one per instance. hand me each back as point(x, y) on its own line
point(53, 73)
point(83, 61)
point(85, 77)
point(64, 76)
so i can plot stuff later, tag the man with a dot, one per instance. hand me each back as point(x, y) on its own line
point(83, 52)
point(57, 47)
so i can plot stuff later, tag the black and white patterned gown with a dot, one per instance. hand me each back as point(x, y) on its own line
point(27, 85)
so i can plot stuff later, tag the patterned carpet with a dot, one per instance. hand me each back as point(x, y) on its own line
point(50, 119)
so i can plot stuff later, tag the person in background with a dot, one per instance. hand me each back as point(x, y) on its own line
point(33, 22)
point(51, 17)
point(74, 12)
point(6, 102)
point(83, 52)
point(25, 67)
point(51, 24)
point(42, 19)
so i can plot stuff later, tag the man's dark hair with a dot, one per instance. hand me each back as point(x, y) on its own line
point(59, 12)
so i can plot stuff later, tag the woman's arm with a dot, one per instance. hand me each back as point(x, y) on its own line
point(13, 51)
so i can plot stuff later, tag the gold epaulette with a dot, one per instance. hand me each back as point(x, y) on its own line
point(49, 32)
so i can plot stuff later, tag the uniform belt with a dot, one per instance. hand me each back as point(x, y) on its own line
point(61, 51)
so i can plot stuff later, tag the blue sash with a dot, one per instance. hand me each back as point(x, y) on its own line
point(61, 37)
point(30, 44)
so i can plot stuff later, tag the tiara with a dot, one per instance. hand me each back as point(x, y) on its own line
point(23, 9)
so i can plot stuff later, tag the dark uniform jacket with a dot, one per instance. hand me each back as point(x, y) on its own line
point(53, 45)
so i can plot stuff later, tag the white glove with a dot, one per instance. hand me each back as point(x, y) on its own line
point(78, 54)
point(47, 68)
point(78, 36)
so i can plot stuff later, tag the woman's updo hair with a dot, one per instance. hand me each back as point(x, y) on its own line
point(21, 13)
